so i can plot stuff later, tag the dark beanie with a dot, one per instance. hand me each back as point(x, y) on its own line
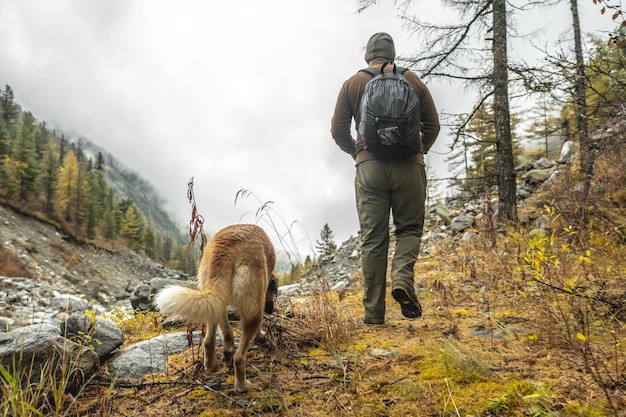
point(380, 45)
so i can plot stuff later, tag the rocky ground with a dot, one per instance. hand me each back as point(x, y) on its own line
point(58, 263)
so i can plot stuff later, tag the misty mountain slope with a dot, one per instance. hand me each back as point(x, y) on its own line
point(130, 184)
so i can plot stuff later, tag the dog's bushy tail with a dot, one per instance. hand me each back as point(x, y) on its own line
point(197, 306)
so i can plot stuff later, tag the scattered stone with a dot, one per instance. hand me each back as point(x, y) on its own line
point(461, 222)
point(380, 353)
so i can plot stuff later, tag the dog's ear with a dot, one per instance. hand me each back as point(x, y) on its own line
point(270, 295)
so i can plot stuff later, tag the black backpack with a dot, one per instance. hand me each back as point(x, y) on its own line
point(390, 115)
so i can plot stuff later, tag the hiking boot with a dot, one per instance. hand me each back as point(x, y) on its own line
point(408, 303)
point(374, 320)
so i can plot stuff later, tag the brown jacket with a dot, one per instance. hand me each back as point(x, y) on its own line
point(349, 106)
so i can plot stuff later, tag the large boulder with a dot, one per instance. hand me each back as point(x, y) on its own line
point(39, 351)
point(150, 356)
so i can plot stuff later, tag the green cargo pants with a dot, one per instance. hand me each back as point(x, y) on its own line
point(382, 186)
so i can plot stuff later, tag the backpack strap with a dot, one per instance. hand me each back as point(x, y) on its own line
point(373, 72)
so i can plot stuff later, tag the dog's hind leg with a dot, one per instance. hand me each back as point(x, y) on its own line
point(210, 360)
point(229, 340)
point(249, 328)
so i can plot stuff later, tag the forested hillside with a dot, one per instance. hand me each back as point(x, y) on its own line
point(71, 184)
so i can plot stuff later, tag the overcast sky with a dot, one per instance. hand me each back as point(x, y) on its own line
point(236, 94)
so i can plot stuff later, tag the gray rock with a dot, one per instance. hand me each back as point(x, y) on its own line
point(6, 323)
point(70, 303)
point(287, 291)
point(461, 222)
point(469, 236)
point(526, 166)
point(537, 176)
point(380, 353)
point(443, 213)
point(568, 152)
point(42, 347)
point(544, 163)
point(150, 356)
point(141, 298)
point(340, 285)
point(100, 334)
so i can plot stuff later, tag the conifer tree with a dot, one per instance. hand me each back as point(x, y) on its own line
point(325, 245)
point(10, 180)
point(149, 242)
point(96, 198)
point(109, 228)
point(62, 148)
point(131, 228)
point(10, 112)
point(167, 248)
point(41, 140)
point(69, 189)
point(93, 207)
point(100, 162)
point(4, 151)
point(5, 144)
point(49, 174)
point(9, 169)
point(24, 154)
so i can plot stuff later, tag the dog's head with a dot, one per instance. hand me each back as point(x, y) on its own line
point(270, 295)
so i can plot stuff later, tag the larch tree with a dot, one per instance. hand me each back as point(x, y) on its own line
point(606, 75)
point(70, 188)
point(507, 186)
point(481, 141)
point(586, 153)
point(131, 228)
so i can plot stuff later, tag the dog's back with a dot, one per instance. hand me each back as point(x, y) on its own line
point(230, 256)
point(236, 269)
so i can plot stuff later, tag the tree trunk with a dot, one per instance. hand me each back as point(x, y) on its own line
point(507, 210)
point(586, 153)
